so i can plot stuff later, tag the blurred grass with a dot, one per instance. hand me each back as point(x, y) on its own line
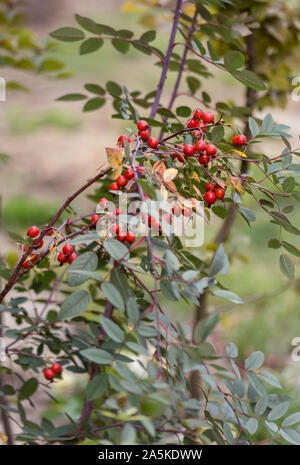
point(20, 212)
point(19, 122)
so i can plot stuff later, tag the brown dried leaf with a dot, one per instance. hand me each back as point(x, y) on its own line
point(115, 160)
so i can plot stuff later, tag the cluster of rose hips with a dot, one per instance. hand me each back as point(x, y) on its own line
point(121, 180)
point(144, 134)
point(67, 254)
point(115, 229)
point(50, 373)
point(213, 192)
point(33, 232)
point(204, 151)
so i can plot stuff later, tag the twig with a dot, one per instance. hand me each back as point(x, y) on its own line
point(167, 59)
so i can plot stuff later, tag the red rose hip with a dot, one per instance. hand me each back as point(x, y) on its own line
point(220, 193)
point(130, 237)
point(56, 368)
point(189, 150)
point(122, 138)
point(211, 149)
point(200, 145)
point(203, 159)
point(208, 117)
point(33, 231)
point(210, 197)
point(67, 249)
point(121, 181)
point(114, 186)
point(142, 125)
point(49, 374)
point(153, 142)
point(129, 174)
point(72, 257)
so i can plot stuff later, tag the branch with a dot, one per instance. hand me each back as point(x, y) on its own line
point(15, 275)
point(167, 59)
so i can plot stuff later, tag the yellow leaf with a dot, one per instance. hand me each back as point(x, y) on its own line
point(195, 176)
point(3, 438)
point(241, 154)
point(170, 174)
point(115, 160)
point(236, 184)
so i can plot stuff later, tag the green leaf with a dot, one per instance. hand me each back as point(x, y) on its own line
point(113, 88)
point(249, 79)
point(90, 45)
point(270, 379)
point(95, 89)
point(88, 24)
point(120, 45)
point(148, 36)
point(232, 350)
point(68, 34)
point(290, 435)
point(96, 387)
point(94, 104)
point(87, 261)
point(220, 263)
point(290, 248)
point(116, 249)
point(217, 133)
point(137, 348)
point(125, 33)
point(219, 211)
point(234, 60)
point(212, 51)
point(289, 185)
point(278, 411)
point(252, 425)
point(193, 84)
point(113, 295)
point(28, 388)
point(254, 128)
point(274, 244)
point(71, 98)
point(228, 295)
point(132, 310)
point(97, 356)
point(287, 266)
point(261, 405)
point(74, 305)
point(111, 329)
point(108, 30)
point(254, 361)
point(204, 328)
point(247, 213)
point(268, 124)
point(291, 419)
point(169, 289)
point(147, 189)
point(256, 383)
point(183, 111)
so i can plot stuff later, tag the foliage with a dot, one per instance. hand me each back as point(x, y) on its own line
point(104, 314)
